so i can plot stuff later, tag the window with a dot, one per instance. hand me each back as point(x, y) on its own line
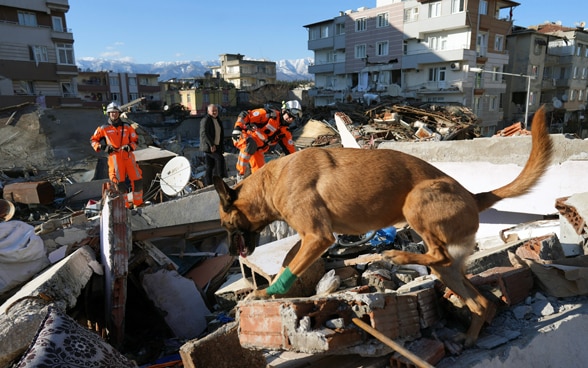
point(132, 81)
point(498, 42)
point(27, 19)
point(483, 8)
point(67, 90)
point(437, 42)
point(496, 75)
point(113, 81)
point(580, 95)
point(22, 87)
point(579, 50)
point(331, 57)
point(493, 103)
point(65, 54)
point(314, 34)
point(114, 96)
point(411, 14)
point(437, 74)
point(57, 24)
point(382, 20)
point(457, 6)
point(360, 51)
point(360, 24)
point(477, 105)
point(435, 9)
point(39, 54)
point(133, 96)
point(324, 31)
point(340, 29)
point(572, 94)
point(382, 48)
point(584, 72)
point(482, 44)
point(575, 75)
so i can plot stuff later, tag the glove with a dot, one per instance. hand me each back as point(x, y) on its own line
point(109, 149)
point(127, 148)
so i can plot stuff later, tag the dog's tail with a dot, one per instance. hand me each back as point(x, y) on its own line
point(537, 164)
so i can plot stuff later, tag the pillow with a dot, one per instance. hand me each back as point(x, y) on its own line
point(62, 342)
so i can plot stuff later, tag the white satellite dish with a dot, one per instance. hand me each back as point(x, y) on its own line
point(175, 175)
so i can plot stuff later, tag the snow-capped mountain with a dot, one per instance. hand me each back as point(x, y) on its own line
point(286, 70)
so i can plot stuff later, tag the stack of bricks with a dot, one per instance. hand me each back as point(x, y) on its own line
point(324, 324)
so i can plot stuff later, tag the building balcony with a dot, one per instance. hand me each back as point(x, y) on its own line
point(321, 43)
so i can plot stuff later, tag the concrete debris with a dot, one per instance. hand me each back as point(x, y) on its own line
point(156, 283)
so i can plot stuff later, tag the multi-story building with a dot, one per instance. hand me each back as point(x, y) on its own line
point(100, 88)
point(419, 49)
point(356, 52)
point(557, 56)
point(195, 94)
point(245, 74)
point(36, 53)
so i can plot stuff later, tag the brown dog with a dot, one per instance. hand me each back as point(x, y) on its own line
point(320, 191)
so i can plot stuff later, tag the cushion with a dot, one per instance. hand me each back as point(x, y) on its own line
point(62, 342)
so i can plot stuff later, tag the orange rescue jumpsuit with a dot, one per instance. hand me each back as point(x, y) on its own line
point(260, 129)
point(121, 163)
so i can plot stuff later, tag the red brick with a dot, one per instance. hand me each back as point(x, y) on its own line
point(545, 247)
point(512, 285)
point(429, 350)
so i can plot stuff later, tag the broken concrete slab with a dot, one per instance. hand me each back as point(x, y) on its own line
point(196, 213)
point(180, 301)
point(60, 284)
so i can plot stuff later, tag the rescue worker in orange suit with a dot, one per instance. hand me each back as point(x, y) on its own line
point(256, 131)
point(119, 139)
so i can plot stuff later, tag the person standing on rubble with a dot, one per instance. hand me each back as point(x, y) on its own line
point(119, 139)
point(256, 131)
point(211, 143)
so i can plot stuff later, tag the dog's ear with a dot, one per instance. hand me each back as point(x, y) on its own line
point(225, 193)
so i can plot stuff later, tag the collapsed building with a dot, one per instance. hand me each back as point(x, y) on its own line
point(156, 284)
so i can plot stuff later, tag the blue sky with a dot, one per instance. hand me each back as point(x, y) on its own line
point(200, 30)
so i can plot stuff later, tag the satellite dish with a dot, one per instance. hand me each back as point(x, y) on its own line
point(175, 175)
point(557, 103)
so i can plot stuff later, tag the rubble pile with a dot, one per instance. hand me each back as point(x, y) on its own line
point(397, 121)
point(157, 286)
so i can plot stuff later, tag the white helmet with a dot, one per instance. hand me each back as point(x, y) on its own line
point(113, 106)
point(293, 108)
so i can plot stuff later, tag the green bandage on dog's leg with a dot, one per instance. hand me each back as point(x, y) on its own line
point(283, 283)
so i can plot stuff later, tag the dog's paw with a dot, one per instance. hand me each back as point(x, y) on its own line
point(257, 295)
point(393, 256)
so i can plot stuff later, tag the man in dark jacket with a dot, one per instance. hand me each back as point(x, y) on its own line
point(211, 143)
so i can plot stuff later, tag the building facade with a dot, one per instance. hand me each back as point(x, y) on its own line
point(419, 49)
point(245, 74)
point(101, 88)
point(36, 53)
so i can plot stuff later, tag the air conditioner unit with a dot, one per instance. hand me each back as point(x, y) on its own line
point(455, 66)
